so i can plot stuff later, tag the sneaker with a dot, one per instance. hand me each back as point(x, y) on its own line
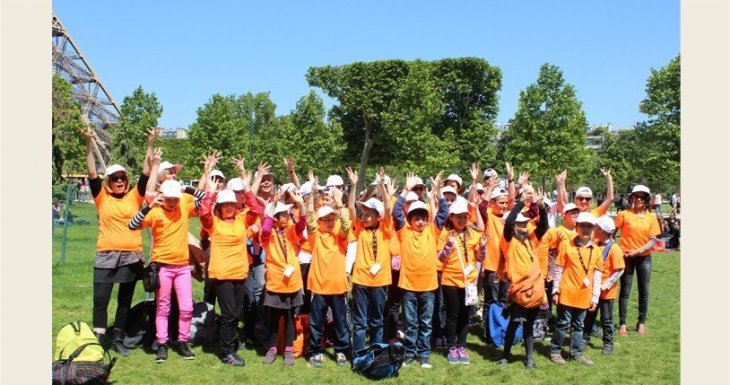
point(185, 352)
point(400, 335)
point(607, 350)
point(557, 358)
point(453, 357)
point(233, 359)
point(270, 356)
point(641, 329)
point(584, 360)
point(463, 356)
point(341, 359)
point(622, 331)
point(502, 362)
point(530, 364)
point(288, 358)
point(425, 362)
point(408, 360)
point(316, 360)
point(161, 353)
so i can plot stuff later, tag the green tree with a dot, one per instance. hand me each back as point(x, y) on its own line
point(68, 144)
point(139, 112)
point(176, 149)
point(548, 132)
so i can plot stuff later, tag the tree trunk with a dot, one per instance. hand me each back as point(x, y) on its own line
point(365, 154)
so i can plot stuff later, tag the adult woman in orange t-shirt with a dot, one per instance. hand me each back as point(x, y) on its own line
point(639, 229)
point(118, 249)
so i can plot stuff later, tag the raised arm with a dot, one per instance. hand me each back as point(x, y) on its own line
point(351, 197)
point(311, 214)
point(510, 171)
point(260, 171)
point(603, 208)
point(152, 135)
point(293, 178)
point(386, 192)
point(443, 210)
point(474, 180)
point(562, 198)
point(90, 163)
point(151, 188)
point(206, 210)
point(542, 226)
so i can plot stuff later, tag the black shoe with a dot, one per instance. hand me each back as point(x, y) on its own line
point(530, 364)
point(607, 350)
point(233, 359)
point(185, 352)
point(161, 354)
point(502, 362)
point(117, 342)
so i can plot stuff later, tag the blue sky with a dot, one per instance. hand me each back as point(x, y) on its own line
point(186, 52)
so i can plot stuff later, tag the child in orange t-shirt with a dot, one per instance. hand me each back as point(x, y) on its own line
point(460, 248)
point(418, 278)
point(576, 288)
point(613, 268)
point(327, 277)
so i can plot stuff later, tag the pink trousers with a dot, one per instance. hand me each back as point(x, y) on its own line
point(177, 277)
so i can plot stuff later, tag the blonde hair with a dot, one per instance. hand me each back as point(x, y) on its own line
point(108, 184)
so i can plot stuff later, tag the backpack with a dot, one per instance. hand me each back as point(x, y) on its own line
point(140, 328)
point(300, 346)
point(529, 291)
point(204, 325)
point(496, 325)
point(540, 327)
point(379, 361)
point(79, 357)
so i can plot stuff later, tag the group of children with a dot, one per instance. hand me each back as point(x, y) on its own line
point(396, 255)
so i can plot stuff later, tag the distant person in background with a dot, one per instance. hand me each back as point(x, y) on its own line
point(56, 208)
point(658, 205)
point(674, 201)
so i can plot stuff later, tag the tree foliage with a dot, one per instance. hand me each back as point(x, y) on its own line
point(548, 132)
point(68, 144)
point(139, 112)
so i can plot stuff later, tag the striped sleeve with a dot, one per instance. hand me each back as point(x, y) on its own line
point(136, 222)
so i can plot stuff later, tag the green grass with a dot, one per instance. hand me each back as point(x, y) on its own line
point(653, 359)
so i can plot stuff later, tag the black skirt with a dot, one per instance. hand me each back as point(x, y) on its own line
point(283, 300)
point(121, 274)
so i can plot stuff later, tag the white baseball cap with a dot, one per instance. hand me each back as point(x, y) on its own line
point(584, 192)
point(324, 211)
point(166, 166)
point(480, 187)
point(287, 187)
point(417, 205)
point(411, 196)
point(374, 204)
point(225, 196)
point(256, 174)
point(114, 168)
point(171, 189)
point(521, 218)
point(459, 206)
point(569, 206)
point(305, 188)
point(498, 192)
point(419, 182)
point(216, 173)
point(489, 172)
point(640, 188)
point(280, 207)
point(586, 217)
point(334, 180)
point(606, 224)
point(235, 184)
point(448, 189)
point(455, 178)
point(386, 181)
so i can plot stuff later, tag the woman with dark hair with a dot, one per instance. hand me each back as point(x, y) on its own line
point(639, 230)
point(118, 249)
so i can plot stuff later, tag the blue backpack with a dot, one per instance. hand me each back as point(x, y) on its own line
point(496, 325)
point(379, 361)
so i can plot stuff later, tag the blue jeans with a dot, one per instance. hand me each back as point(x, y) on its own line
point(368, 314)
point(318, 317)
point(418, 311)
point(573, 318)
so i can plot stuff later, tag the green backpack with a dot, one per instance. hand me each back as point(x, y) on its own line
point(74, 335)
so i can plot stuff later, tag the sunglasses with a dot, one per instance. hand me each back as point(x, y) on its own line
point(584, 199)
point(115, 178)
point(585, 225)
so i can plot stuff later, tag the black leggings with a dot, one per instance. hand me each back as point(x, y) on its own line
point(102, 296)
point(457, 316)
point(272, 327)
point(642, 266)
point(527, 317)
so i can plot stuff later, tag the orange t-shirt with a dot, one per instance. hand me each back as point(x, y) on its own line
point(419, 258)
point(277, 261)
point(364, 259)
point(614, 261)
point(327, 273)
point(494, 227)
point(170, 233)
point(228, 253)
point(551, 241)
point(636, 229)
point(114, 217)
point(451, 270)
point(573, 291)
point(598, 211)
point(520, 256)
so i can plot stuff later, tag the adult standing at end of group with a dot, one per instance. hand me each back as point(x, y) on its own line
point(639, 229)
point(118, 249)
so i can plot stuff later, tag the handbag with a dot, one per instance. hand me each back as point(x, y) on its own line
point(471, 294)
point(150, 277)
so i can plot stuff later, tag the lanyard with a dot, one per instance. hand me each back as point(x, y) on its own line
point(375, 246)
point(580, 258)
point(282, 244)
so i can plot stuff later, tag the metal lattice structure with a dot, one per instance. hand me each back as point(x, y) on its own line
point(97, 104)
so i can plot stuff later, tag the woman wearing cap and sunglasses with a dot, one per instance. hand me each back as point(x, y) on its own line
point(639, 228)
point(118, 249)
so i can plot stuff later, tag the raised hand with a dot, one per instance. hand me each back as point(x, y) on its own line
point(352, 176)
point(524, 177)
point(263, 169)
point(88, 132)
point(337, 195)
point(475, 172)
point(606, 173)
point(156, 157)
point(491, 183)
point(294, 194)
point(152, 134)
point(289, 163)
point(246, 179)
point(560, 178)
point(411, 181)
point(510, 171)
point(436, 182)
point(240, 163)
point(157, 201)
point(527, 194)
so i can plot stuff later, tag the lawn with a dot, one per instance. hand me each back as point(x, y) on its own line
point(652, 359)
